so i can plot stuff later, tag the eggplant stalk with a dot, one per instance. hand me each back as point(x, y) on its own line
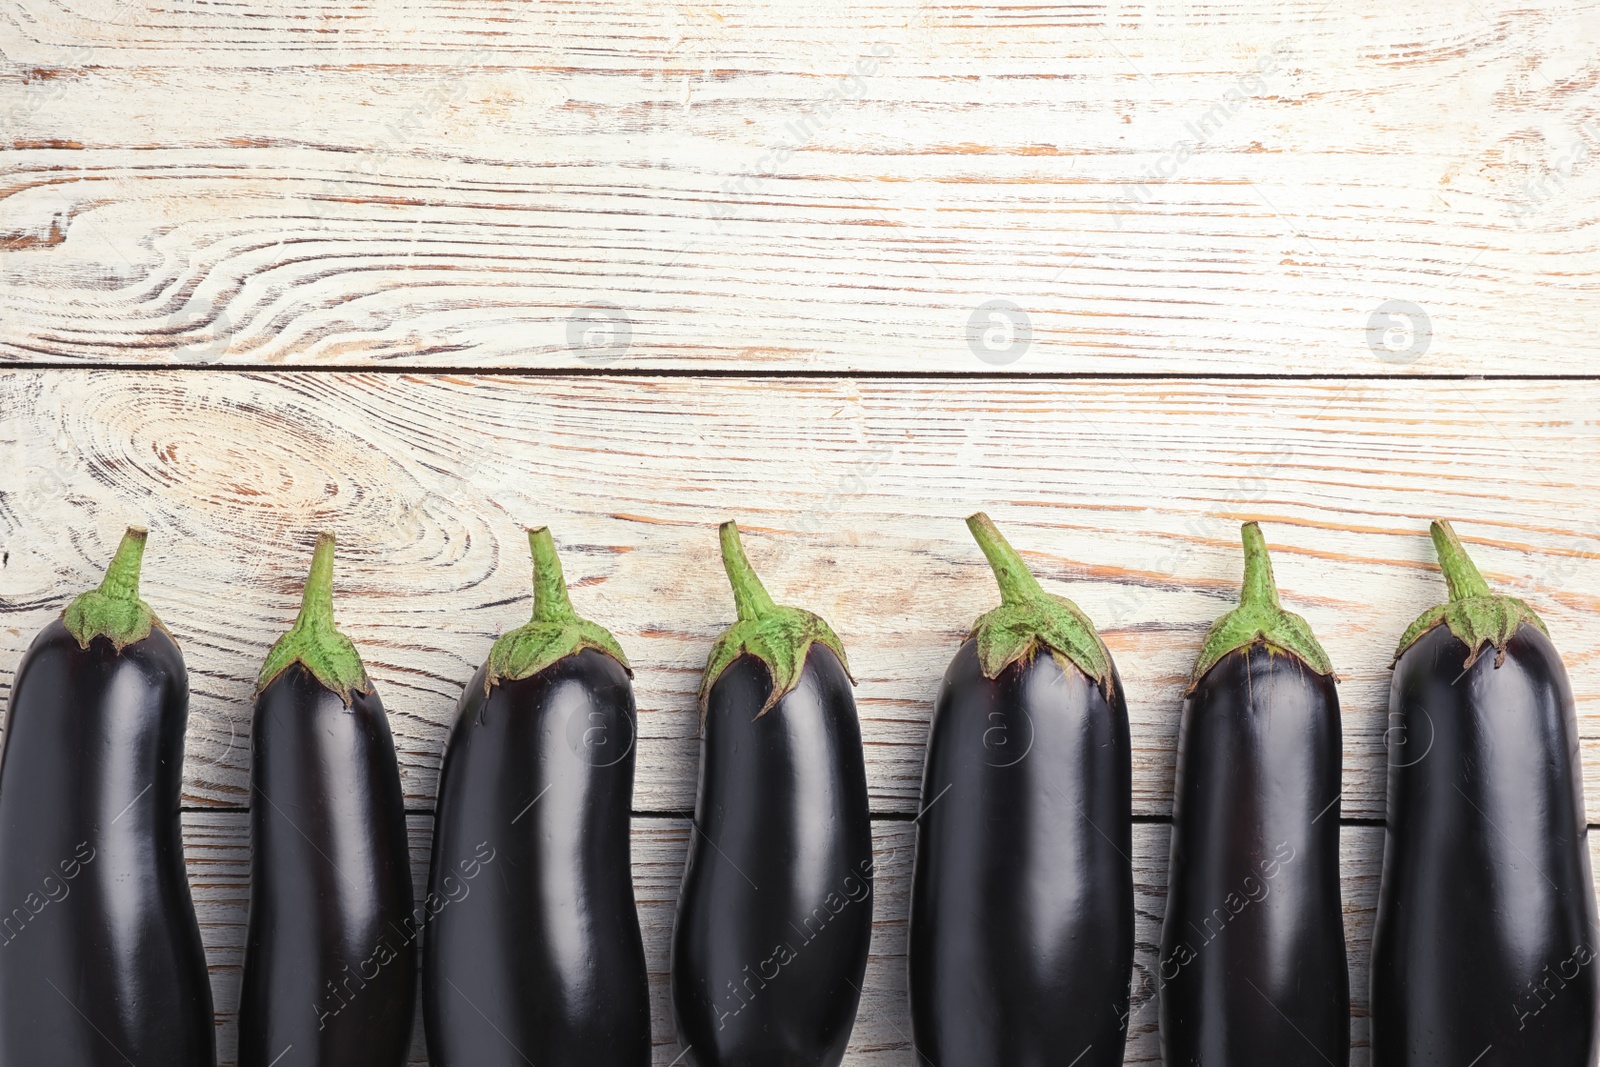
point(1475, 613)
point(555, 631)
point(776, 634)
point(114, 610)
point(1259, 617)
point(313, 641)
point(1028, 618)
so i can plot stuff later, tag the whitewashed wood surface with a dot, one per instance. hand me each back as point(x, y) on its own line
point(1227, 187)
point(639, 207)
point(1125, 495)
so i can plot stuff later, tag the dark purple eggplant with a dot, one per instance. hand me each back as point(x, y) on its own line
point(775, 914)
point(1485, 948)
point(1021, 946)
point(533, 952)
point(330, 948)
point(100, 957)
point(1252, 967)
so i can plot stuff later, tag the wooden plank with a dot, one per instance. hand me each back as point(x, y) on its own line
point(1124, 495)
point(1237, 187)
point(218, 864)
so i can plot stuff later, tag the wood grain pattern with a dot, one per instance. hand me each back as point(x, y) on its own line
point(1227, 187)
point(1126, 496)
point(836, 188)
point(219, 870)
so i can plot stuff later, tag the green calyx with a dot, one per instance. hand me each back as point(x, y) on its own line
point(1475, 613)
point(1259, 617)
point(778, 635)
point(114, 610)
point(555, 631)
point(313, 642)
point(1029, 619)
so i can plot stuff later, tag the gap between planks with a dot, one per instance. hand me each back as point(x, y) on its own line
point(217, 856)
point(756, 373)
point(877, 816)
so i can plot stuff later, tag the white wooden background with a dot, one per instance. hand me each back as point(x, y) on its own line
point(424, 273)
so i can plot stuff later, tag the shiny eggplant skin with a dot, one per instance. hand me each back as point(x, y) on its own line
point(533, 951)
point(330, 949)
point(101, 963)
point(1485, 944)
point(1021, 944)
point(1252, 967)
point(775, 914)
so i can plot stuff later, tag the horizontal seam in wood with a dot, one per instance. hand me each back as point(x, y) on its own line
point(776, 373)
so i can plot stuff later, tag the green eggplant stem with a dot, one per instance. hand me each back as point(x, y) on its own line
point(121, 579)
point(1260, 617)
point(316, 599)
point(555, 631)
point(1477, 615)
point(1259, 589)
point(113, 610)
point(550, 600)
point(750, 598)
point(778, 635)
point(1030, 620)
point(313, 641)
point(1016, 581)
point(1460, 573)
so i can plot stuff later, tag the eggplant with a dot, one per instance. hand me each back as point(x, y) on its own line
point(1485, 947)
point(539, 960)
point(1021, 944)
point(100, 955)
point(775, 913)
point(330, 946)
point(1252, 967)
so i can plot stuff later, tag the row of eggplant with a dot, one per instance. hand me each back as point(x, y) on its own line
point(1022, 913)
